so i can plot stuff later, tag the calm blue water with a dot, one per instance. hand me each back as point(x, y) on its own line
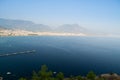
point(71, 55)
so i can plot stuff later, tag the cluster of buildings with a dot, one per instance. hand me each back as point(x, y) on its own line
point(27, 33)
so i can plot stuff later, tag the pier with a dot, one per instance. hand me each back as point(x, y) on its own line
point(17, 53)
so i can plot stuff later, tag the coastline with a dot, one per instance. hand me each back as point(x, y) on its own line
point(30, 33)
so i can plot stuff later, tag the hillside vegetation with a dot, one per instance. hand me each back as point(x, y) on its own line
point(45, 74)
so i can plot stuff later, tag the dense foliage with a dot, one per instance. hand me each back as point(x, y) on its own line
point(45, 74)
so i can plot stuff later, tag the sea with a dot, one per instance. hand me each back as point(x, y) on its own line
point(72, 55)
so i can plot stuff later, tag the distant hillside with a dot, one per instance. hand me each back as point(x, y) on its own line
point(23, 25)
point(31, 26)
point(70, 28)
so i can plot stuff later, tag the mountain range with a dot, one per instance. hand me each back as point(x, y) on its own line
point(31, 26)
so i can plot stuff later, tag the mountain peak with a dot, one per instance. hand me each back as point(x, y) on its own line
point(31, 26)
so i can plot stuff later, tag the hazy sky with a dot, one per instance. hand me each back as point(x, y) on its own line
point(96, 15)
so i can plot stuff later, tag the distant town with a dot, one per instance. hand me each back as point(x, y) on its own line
point(28, 33)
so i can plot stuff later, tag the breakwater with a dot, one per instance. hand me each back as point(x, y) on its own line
point(17, 53)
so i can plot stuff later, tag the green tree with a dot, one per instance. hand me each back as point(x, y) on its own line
point(60, 76)
point(91, 75)
point(72, 77)
point(79, 77)
point(35, 76)
point(52, 78)
point(22, 78)
point(44, 73)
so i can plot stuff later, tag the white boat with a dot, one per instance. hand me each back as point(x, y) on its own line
point(8, 73)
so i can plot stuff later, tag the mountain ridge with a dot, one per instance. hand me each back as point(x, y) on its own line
point(31, 26)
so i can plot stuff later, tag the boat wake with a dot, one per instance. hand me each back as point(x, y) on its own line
point(17, 53)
